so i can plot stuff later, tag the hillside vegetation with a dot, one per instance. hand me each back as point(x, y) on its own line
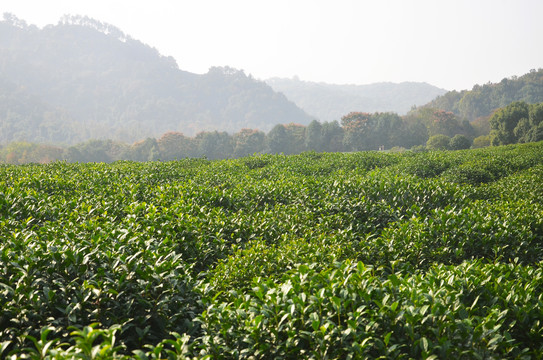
point(483, 100)
point(82, 79)
point(312, 256)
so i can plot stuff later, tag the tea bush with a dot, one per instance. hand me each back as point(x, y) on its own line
point(355, 255)
point(472, 310)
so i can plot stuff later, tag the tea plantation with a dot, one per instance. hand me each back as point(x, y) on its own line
point(316, 256)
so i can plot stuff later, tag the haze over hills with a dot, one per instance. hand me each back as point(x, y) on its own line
point(108, 85)
point(83, 79)
point(24, 116)
point(482, 100)
point(329, 102)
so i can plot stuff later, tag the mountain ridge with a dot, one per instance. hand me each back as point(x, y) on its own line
point(329, 102)
point(113, 86)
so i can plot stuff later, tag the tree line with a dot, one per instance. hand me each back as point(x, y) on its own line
point(357, 131)
point(421, 129)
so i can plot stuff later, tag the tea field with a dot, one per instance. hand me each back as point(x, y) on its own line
point(315, 256)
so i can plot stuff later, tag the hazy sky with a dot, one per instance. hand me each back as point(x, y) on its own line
point(453, 44)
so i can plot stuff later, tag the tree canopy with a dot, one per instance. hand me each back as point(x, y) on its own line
point(517, 122)
point(482, 100)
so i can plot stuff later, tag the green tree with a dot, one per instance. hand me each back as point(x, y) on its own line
point(504, 121)
point(536, 123)
point(104, 151)
point(332, 137)
point(536, 114)
point(73, 155)
point(481, 141)
point(481, 126)
point(388, 130)
point(296, 138)
point(313, 136)
point(277, 139)
point(443, 122)
point(459, 142)
point(414, 133)
point(522, 131)
point(438, 142)
point(144, 150)
point(439, 121)
point(248, 142)
point(358, 128)
point(174, 145)
point(154, 154)
point(215, 145)
point(527, 128)
point(536, 133)
point(475, 103)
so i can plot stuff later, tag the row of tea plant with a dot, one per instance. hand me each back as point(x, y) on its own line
point(320, 256)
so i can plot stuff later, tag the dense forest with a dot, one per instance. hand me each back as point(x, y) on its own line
point(329, 102)
point(483, 100)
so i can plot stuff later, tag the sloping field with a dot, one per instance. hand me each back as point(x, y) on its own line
point(321, 256)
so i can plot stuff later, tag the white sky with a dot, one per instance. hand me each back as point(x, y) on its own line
point(453, 44)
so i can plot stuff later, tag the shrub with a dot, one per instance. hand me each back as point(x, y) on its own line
point(438, 142)
point(459, 142)
point(481, 141)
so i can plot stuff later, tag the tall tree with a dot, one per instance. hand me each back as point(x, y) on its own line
point(388, 130)
point(536, 123)
point(277, 139)
point(174, 145)
point(332, 137)
point(296, 138)
point(215, 145)
point(145, 150)
point(438, 142)
point(248, 142)
point(358, 127)
point(459, 142)
point(313, 136)
point(504, 121)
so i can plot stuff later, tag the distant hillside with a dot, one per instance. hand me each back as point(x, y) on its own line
point(482, 100)
point(108, 85)
point(24, 116)
point(329, 102)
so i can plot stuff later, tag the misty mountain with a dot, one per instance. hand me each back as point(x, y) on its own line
point(482, 100)
point(83, 79)
point(25, 116)
point(329, 102)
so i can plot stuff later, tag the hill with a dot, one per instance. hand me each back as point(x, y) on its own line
point(483, 100)
point(26, 116)
point(329, 102)
point(112, 86)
